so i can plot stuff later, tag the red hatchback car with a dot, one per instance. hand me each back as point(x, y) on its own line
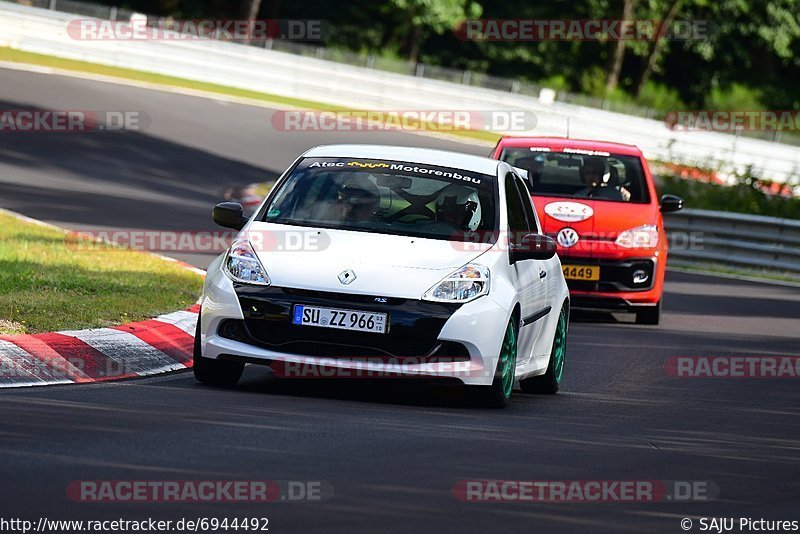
point(598, 200)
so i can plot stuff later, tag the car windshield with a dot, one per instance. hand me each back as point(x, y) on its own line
point(581, 174)
point(388, 197)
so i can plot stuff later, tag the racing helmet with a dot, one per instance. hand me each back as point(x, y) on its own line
point(459, 205)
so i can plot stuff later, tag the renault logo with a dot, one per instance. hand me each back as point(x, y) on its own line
point(345, 277)
point(567, 237)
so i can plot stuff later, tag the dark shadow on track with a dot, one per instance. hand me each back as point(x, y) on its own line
point(128, 178)
point(410, 392)
point(736, 306)
point(592, 316)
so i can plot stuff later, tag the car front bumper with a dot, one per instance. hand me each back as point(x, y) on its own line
point(424, 339)
point(617, 290)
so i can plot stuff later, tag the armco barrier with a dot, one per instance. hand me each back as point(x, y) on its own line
point(44, 31)
point(735, 239)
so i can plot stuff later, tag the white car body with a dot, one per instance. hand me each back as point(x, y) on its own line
point(400, 268)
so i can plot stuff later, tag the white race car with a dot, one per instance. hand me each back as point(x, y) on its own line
point(369, 260)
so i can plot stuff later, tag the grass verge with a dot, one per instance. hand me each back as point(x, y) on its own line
point(48, 282)
point(18, 56)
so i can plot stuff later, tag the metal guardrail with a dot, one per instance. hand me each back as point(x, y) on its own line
point(734, 239)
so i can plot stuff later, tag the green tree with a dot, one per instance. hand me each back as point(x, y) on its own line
point(423, 17)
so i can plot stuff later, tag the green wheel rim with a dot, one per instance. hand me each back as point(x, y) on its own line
point(508, 360)
point(560, 345)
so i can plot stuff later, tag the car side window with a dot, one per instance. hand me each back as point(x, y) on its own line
point(527, 204)
point(517, 221)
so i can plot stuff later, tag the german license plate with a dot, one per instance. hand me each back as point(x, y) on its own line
point(341, 319)
point(589, 273)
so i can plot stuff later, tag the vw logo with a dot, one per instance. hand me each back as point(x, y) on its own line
point(567, 237)
point(345, 277)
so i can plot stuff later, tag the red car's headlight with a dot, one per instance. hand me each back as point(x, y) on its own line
point(645, 236)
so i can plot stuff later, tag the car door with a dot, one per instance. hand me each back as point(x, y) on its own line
point(530, 278)
point(547, 268)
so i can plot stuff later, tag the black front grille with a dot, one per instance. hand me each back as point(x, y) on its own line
point(614, 276)
point(413, 325)
point(442, 352)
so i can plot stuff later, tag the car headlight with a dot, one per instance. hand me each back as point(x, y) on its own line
point(645, 236)
point(467, 283)
point(242, 265)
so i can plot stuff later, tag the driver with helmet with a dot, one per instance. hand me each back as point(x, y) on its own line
point(459, 206)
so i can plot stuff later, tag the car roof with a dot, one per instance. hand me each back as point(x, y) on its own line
point(425, 156)
point(558, 143)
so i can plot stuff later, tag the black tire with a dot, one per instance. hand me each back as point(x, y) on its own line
point(650, 315)
point(550, 382)
point(498, 394)
point(218, 373)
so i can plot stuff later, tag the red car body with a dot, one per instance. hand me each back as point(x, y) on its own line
point(614, 288)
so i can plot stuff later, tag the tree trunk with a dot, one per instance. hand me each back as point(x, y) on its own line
point(619, 49)
point(654, 53)
point(252, 14)
point(255, 7)
point(414, 43)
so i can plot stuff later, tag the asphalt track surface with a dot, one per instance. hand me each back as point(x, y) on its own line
point(391, 451)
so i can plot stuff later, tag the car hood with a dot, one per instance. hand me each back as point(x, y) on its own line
point(593, 220)
point(602, 218)
point(384, 265)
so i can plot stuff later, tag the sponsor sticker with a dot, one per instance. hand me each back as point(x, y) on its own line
point(568, 211)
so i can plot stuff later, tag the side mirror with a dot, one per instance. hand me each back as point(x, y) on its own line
point(533, 247)
point(229, 215)
point(670, 203)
